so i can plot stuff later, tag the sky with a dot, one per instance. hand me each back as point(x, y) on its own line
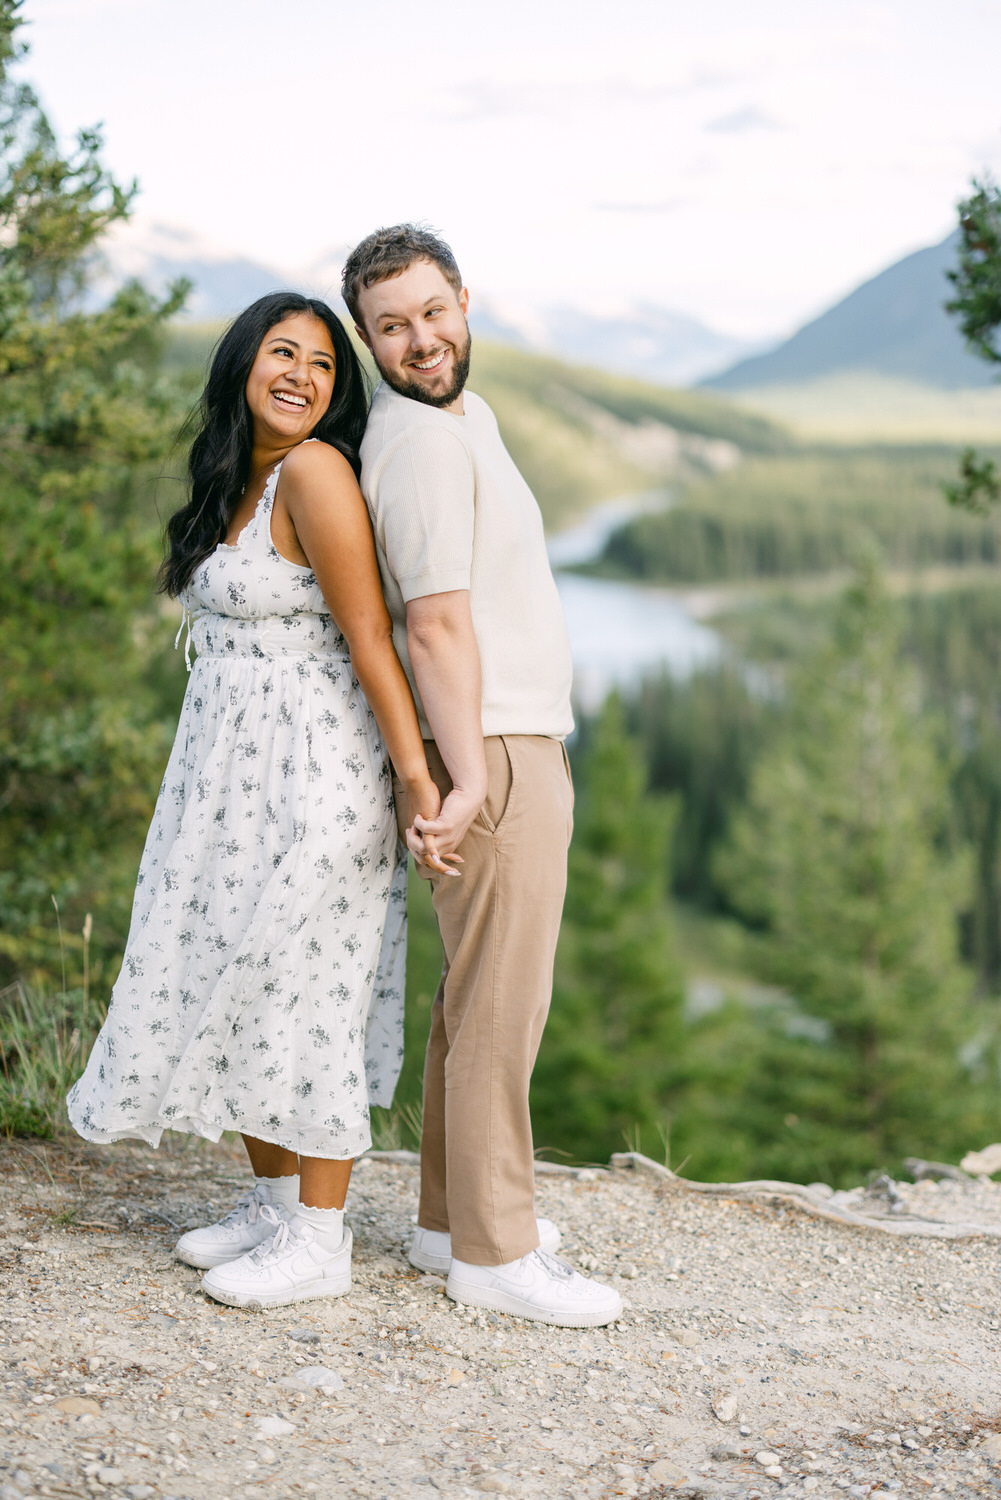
point(746, 162)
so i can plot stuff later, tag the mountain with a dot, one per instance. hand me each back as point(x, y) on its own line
point(895, 325)
point(646, 342)
point(159, 253)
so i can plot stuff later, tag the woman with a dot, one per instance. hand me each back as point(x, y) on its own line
point(262, 984)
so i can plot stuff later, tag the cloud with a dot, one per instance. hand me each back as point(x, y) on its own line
point(748, 117)
point(492, 98)
point(663, 206)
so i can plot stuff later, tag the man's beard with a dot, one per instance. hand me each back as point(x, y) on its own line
point(417, 391)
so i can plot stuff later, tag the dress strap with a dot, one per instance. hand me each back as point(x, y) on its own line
point(186, 620)
point(189, 614)
point(266, 503)
point(267, 500)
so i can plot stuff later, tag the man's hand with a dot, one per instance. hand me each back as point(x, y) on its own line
point(424, 803)
point(445, 833)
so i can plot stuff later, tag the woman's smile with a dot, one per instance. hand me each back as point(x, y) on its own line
point(291, 400)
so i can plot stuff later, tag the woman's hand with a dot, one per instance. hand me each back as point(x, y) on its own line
point(424, 803)
point(445, 832)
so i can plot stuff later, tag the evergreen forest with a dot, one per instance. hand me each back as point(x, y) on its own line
point(781, 953)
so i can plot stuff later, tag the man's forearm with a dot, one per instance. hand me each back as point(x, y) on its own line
point(446, 663)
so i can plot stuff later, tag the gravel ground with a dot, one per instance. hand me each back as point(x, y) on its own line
point(764, 1350)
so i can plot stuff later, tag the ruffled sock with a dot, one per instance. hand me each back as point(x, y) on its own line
point(327, 1225)
point(283, 1192)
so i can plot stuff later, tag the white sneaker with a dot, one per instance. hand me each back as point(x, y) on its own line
point(539, 1286)
point(431, 1249)
point(288, 1267)
point(242, 1229)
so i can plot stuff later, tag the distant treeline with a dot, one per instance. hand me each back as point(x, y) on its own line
point(806, 512)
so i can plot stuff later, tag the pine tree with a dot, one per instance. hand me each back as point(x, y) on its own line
point(85, 416)
point(977, 304)
point(838, 858)
point(610, 1061)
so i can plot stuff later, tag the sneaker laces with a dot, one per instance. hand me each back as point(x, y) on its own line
point(270, 1248)
point(555, 1266)
point(247, 1209)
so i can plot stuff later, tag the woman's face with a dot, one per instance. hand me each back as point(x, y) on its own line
point(292, 379)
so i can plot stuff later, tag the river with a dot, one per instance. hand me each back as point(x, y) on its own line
point(620, 632)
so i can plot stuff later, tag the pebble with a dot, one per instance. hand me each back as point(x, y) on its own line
point(305, 1335)
point(766, 1459)
point(78, 1406)
point(725, 1406)
point(315, 1376)
point(274, 1427)
point(666, 1472)
point(494, 1484)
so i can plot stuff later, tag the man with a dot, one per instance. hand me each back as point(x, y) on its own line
point(480, 631)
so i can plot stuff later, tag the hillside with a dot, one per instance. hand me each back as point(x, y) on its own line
point(807, 511)
point(580, 435)
point(853, 407)
point(893, 325)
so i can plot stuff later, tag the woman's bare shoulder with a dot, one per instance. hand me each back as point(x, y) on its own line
point(317, 463)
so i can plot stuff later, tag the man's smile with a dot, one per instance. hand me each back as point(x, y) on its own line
point(431, 362)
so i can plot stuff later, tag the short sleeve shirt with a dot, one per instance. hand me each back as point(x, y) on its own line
point(451, 511)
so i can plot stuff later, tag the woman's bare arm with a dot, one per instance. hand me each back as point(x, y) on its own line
point(320, 494)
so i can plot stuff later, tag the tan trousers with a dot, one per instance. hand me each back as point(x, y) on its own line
point(499, 924)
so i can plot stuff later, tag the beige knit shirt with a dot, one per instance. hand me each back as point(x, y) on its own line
point(451, 511)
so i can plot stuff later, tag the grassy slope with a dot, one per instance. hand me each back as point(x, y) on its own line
point(866, 407)
point(579, 436)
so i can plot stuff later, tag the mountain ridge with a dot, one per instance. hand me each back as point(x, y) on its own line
point(641, 341)
point(894, 324)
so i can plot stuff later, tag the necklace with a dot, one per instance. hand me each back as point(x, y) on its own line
point(256, 475)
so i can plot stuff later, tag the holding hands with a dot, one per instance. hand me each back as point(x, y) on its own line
point(434, 841)
point(424, 805)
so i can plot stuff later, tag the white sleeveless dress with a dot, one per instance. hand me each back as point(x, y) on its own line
point(262, 984)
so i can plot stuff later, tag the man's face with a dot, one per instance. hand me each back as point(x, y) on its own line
point(415, 326)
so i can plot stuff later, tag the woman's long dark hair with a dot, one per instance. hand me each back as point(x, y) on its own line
point(219, 465)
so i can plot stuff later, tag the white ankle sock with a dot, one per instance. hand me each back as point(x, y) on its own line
point(284, 1191)
point(327, 1224)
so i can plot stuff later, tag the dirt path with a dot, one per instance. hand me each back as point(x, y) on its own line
point(764, 1350)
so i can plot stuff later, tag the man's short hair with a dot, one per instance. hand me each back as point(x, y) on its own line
point(389, 252)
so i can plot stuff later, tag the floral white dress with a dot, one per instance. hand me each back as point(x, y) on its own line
point(262, 984)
